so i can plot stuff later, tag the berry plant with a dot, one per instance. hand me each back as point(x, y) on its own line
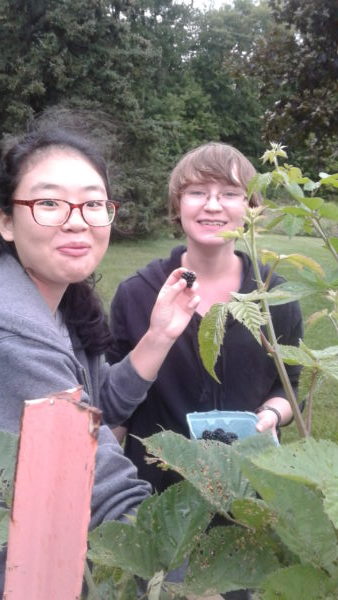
point(281, 502)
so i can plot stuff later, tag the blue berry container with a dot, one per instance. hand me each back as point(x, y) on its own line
point(243, 423)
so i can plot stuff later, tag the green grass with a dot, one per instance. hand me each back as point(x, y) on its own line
point(125, 257)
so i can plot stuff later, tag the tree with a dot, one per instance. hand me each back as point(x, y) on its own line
point(298, 67)
point(224, 42)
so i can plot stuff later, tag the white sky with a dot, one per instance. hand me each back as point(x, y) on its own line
point(206, 4)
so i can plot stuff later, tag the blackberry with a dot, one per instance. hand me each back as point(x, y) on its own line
point(227, 437)
point(190, 277)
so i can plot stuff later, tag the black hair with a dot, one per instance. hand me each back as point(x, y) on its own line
point(81, 306)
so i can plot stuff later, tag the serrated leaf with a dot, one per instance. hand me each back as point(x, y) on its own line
point(212, 467)
point(250, 315)
point(210, 336)
point(259, 183)
point(314, 462)
point(324, 361)
point(294, 190)
point(276, 295)
point(252, 512)
point(294, 355)
point(302, 524)
point(292, 225)
point(302, 287)
point(300, 261)
point(167, 526)
point(297, 582)
point(296, 211)
point(228, 559)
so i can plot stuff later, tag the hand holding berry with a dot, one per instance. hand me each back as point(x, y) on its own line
point(173, 309)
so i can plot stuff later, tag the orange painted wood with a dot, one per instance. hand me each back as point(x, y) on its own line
point(51, 509)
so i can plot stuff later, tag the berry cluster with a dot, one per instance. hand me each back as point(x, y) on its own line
point(190, 277)
point(227, 437)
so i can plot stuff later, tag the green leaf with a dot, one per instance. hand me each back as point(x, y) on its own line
point(8, 452)
point(294, 355)
point(212, 467)
point(295, 174)
point(329, 210)
point(230, 558)
point(295, 190)
point(311, 186)
point(300, 261)
point(300, 289)
point(297, 582)
point(296, 211)
point(235, 234)
point(275, 296)
point(274, 222)
point(252, 512)
point(314, 462)
point(302, 524)
point(292, 225)
point(329, 179)
point(313, 203)
point(259, 183)
point(4, 523)
point(210, 336)
point(250, 315)
point(165, 531)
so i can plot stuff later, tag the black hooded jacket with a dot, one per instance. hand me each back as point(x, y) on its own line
point(247, 373)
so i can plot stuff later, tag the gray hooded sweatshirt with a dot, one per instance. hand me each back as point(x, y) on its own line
point(36, 360)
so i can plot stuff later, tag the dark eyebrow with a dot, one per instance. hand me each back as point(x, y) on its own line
point(54, 187)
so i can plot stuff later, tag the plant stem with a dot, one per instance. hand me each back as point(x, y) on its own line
point(314, 378)
point(273, 344)
point(317, 226)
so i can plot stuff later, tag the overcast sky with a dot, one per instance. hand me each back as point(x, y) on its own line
point(206, 4)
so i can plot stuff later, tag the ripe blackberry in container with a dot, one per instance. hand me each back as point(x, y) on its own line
point(227, 437)
point(190, 277)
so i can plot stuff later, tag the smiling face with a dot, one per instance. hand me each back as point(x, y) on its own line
point(210, 208)
point(56, 256)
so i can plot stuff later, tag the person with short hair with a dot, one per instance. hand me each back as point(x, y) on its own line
point(207, 196)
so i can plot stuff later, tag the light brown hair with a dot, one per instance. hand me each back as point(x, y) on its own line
point(214, 161)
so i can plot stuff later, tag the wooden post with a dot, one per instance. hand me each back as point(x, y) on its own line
point(51, 508)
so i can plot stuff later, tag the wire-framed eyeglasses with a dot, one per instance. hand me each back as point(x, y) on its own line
point(52, 212)
point(199, 196)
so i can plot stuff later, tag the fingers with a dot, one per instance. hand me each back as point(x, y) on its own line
point(266, 420)
point(175, 284)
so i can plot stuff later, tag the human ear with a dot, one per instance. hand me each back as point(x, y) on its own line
point(6, 226)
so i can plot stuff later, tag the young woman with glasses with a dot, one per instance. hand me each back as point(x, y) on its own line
point(56, 212)
point(207, 195)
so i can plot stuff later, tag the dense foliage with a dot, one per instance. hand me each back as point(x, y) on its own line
point(163, 77)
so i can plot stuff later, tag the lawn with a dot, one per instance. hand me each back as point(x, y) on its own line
point(125, 257)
